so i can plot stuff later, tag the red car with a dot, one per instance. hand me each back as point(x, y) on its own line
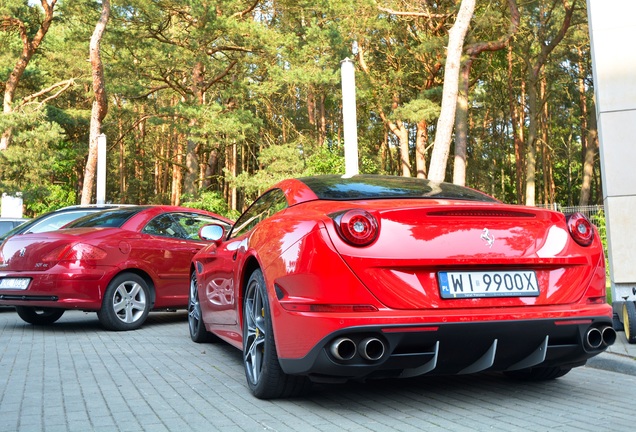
point(327, 279)
point(121, 263)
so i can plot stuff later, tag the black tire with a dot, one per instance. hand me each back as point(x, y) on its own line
point(538, 374)
point(265, 378)
point(126, 303)
point(198, 333)
point(39, 316)
point(629, 321)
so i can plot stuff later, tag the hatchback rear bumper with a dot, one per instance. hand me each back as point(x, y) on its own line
point(82, 290)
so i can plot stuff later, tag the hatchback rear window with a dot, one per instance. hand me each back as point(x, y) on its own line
point(106, 219)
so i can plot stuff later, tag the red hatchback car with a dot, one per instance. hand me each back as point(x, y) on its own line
point(327, 279)
point(121, 263)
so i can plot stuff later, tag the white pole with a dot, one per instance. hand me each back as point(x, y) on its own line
point(350, 126)
point(101, 169)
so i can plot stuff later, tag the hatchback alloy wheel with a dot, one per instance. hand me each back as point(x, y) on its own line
point(126, 303)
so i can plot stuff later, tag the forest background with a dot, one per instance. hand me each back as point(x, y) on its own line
point(210, 102)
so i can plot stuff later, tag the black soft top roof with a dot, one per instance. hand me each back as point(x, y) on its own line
point(334, 187)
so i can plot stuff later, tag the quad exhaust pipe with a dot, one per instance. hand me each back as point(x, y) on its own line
point(370, 348)
point(343, 349)
point(609, 335)
point(597, 337)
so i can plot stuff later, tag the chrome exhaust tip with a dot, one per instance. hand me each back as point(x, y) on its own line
point(609, 335)
point(371, 349)
point(594, 338)
point(343, 349)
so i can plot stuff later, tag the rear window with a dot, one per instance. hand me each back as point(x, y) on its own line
point(106, 218)
point(377, 187)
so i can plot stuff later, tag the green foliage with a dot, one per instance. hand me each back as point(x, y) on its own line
point(32, 156)
point(598, 219)
point(201, 90)
point(278, 162)
point(210, 201)
point(325, 160)
point(46, 198)
point(417, 110)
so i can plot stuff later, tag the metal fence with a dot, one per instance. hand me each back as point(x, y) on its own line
point(593, 212)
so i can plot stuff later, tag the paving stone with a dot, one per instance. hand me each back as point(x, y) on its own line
point(75, 376)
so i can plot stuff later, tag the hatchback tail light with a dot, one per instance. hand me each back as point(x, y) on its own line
point(357, 227)
point(78, 252)
point(581, 228)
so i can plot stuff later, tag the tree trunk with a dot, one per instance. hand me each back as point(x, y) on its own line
point(456, 35)
point(461, 126)
point(590, 155)
point(534, 73)
point(461, 117)
point(420, 148)
point(311, 106)
point(531, 156)
point(402, 134)
point(100, 104)
point(517, 117)
point(122, 155)
point(28, 49)
point(234, 174)
point(322, 120)
point(548, 172)
point(587, 147)
point(175, 193)
point(191, 178)
point(211, 169)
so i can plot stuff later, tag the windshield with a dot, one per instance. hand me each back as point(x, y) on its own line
point(106, 218)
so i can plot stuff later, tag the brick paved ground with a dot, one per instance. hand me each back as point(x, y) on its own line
point(74, 376)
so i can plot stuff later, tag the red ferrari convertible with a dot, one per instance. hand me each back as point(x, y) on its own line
point(121, 263)
point(327, 279)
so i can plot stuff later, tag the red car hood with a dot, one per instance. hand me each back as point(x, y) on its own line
point(414, 244)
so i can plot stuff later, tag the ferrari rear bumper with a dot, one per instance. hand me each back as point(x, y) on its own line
point(454, 348)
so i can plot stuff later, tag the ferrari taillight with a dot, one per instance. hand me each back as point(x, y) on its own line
point(357, 227)
point(78, 252)
point(581, 228)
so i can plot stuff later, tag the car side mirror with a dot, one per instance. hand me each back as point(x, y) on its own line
point(212, 232)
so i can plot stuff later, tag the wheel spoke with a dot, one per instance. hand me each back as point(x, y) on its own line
point(138, 305)
point(129, 317)
point(194, 309)
point(195, 312)
point(252, 359)
point(121, 292)
point(134, 291)
point(254, 333)
point(118, 306)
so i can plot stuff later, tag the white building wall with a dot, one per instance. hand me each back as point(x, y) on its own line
point(612, 26)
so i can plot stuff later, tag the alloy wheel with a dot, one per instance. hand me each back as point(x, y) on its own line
point(255, 332)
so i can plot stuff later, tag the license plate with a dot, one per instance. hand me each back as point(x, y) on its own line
point(14, 283)
point(488, 284)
